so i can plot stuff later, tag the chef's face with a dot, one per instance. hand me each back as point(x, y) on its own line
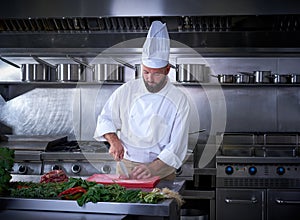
point(155, 78)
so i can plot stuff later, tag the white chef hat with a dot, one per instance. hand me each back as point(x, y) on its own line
point(156, 49)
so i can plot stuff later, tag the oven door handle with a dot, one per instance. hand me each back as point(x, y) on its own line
point(281, 201)
point(253, 200)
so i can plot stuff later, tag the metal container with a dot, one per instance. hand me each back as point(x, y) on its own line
point(242, 78)
point(295, 78)
point(262, 76)
point(138, 71)
point(35, 72)
point(279, 78)
point(108, 72)
point(70, 73)
point(190, 73)
point(223, 78)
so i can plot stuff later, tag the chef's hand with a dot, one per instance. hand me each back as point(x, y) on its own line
point(116, 148)
point(144, 171)
point(141, 172)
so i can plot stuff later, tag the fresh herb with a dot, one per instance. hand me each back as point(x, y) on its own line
point(6, 164)
point(36, 190)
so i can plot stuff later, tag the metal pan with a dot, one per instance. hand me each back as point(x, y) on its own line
point(242, 78)
point(280, 78)
point(295, 78)
point(224, 78)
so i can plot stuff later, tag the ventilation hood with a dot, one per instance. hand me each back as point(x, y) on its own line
point(81, 27)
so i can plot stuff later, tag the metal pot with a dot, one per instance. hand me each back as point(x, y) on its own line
point(70, 73)
point(108, 72)
point(35, 72)
point(295, 78)
point(280, 78)
point(242, 78)
point(138, 71)
point(190, 73)
point(262, 76)
point(223, 78)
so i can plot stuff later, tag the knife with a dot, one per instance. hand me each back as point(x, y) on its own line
point(123, 168)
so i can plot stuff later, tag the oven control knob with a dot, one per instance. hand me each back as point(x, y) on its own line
point(179, 171)
point(280, 170)
point(23, 169)
point(56, 167)
point(252, 170)
point(229, 170)
point(106, 169)
point(76, 168)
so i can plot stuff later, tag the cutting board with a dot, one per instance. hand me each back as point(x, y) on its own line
point(128, 183)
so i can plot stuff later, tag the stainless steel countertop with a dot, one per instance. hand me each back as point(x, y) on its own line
point(167, 209)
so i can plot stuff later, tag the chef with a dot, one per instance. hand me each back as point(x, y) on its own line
point(146, 121)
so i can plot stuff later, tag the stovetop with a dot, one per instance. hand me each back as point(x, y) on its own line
point(259, 145)
point(45, 144)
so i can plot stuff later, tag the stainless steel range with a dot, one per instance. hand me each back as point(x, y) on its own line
point(258, 176)
point(78, 158)
point(37, 155)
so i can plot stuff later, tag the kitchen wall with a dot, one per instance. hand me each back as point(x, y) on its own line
point(239, 108)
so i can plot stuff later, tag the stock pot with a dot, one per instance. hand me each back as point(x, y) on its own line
point(36, 72)
point(243, 78)
point(262, 76)
point(70, 72)
point(108, 72)
point(190, 73)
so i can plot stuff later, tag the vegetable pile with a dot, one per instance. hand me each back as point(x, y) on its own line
point(6, 164)
point(85, 191)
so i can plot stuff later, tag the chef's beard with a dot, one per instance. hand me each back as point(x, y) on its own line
point(157, 87)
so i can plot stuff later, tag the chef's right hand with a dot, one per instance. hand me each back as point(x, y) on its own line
point(117, 151)
point(116, 148)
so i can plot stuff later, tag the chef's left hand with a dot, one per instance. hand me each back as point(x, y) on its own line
point(141, 172)
point(144, 171)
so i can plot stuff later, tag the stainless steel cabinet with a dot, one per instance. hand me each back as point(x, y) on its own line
point(283, 204)
point(237, 204)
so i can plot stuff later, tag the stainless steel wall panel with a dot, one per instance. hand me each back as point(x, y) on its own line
point(288, 109)
point(93, 98)
point(251, 109)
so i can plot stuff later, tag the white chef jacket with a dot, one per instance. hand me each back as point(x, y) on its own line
point(149, 125)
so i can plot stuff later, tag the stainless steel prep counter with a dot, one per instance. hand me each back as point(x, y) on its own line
point(20, 207)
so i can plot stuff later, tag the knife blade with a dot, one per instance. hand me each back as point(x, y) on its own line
point(123, 168)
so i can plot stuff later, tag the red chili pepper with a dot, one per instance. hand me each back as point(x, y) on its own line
point(72, 193)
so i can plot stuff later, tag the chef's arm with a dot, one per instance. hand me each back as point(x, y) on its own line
point(116, 148)
point(144, 171)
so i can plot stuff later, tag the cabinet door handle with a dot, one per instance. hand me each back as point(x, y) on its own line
point(253, 200)
point(281, 201)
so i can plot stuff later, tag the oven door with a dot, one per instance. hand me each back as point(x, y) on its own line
point(236, 204)
point(283, 204)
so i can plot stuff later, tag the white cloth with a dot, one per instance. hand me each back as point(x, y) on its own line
point(150, 125)
point(156, 49)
